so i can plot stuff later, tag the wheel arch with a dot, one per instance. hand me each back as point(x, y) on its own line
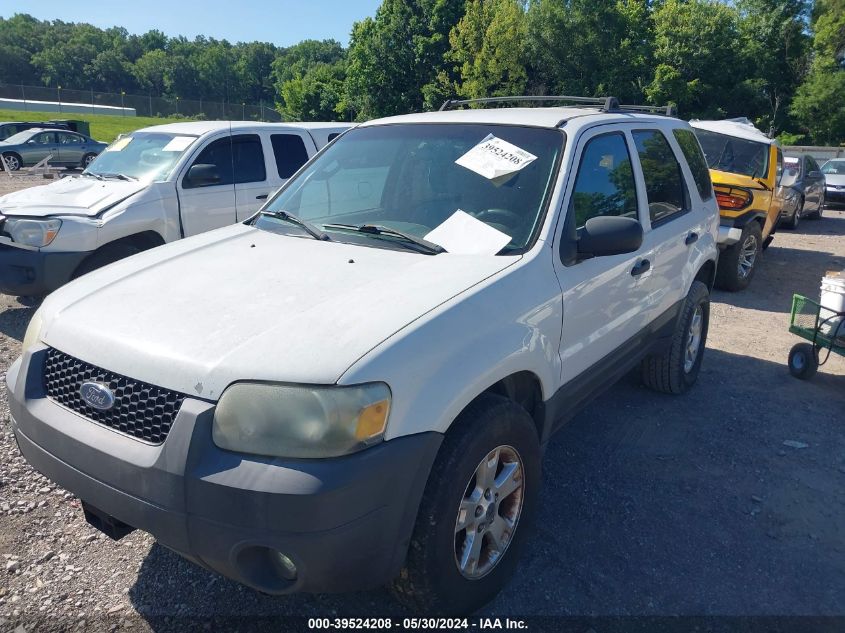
point(523, 388)
point(707, 274)
point(143, 241)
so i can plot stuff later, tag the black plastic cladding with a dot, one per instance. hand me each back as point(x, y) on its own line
point(140, 410)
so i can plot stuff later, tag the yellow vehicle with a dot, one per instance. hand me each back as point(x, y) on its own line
point(746, 168)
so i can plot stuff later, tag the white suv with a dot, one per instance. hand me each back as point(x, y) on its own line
point(356, 385)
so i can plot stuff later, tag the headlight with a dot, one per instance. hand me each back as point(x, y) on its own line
point(28, 232)
point(300, 421)
point(33, 331)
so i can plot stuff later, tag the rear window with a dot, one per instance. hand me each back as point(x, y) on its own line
point(695, 159)
point(290, 153)
point(733, 154)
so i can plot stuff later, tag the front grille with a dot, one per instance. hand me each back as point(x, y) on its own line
point(140, 410)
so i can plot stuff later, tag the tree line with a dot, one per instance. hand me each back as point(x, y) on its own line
point(779, 62)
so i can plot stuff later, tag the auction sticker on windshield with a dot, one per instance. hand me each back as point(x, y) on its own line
point(119, 144)
point(494, 158)
point(178, 144)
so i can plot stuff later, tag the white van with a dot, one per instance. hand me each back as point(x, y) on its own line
point(150, 187)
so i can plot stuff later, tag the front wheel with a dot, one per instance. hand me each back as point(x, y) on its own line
point(475, 512)
point(738, 263)
point(13, 161)
point(796, 217)
point(87, 160)
point(803, 361)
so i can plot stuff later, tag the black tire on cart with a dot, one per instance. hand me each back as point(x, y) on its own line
point(803, 361)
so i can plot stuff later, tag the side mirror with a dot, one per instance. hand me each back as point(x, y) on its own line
point(609, 235)
point(203, 176)
point(815, 174)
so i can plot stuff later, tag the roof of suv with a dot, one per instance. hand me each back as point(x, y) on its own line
point(204, 127)
point(740, 128)
point(539, 117)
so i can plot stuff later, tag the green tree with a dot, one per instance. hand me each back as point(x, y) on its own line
point(819, 104)
point(579, 47)
point(697, 56)
point(150, 71)
point(316, 95)
point(488, 47)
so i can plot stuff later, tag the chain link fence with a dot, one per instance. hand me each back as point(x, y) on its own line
point(144, 105)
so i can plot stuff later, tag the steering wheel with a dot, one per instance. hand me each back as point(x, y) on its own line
point(500, 216)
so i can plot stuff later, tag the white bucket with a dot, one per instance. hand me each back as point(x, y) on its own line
point(833, 299)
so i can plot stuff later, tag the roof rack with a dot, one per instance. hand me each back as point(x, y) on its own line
point(608, 104)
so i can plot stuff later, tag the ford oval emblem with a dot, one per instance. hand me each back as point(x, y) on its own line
point(97, 395)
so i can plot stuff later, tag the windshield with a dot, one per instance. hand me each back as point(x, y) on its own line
point(736, 155)
point(835, 167)
point(791, 170)
point(405, 177)
point(146, 156)
point(20, 137)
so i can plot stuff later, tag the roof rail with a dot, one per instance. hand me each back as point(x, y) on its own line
point(608, 104)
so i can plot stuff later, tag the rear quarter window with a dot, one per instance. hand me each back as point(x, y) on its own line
point(695, 159)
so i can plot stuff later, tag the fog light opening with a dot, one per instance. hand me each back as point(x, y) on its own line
point(284, 566)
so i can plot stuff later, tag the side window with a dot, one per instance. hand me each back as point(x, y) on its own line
point(812, 165)
point(695, 159)
point(248, 159)
point(333, 136)
point(290, 153)
point(219, 154)
point(69, 139)
point(664, 181)
point(46, 138)
point(605, 181)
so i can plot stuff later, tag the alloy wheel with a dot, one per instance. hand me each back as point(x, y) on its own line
point(747, 257)
point(489, 512)
point(694, 332)
point(12, 162)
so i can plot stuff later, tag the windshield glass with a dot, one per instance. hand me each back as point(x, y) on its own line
point(146, 156)
point(791, 170)
point(736, 155)
point(835, 167)
point(20, 137)
point(405, 177)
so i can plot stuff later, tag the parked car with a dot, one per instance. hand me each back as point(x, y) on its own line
point(8, 128)
point(802, 190)
point(157, 185)
point(834, 173)
point(746, 167)
point(63, 147)
point(356, 384)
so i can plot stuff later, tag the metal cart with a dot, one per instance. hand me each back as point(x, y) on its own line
point(824, 328)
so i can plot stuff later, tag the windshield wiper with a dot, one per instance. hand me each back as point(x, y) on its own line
point(306, 226)
point(93, 175)
point(376, 229)
point(118, 176)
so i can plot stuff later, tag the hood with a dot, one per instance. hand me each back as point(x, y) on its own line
point(240, 303)
point(69, 196)
point(736, 180)
point(837, 180)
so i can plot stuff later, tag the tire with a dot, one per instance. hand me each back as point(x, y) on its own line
point(796, 217)
point(106, 255)
point(431, 581)
point(87, 160)
point(730, 274)
point(676, 370)
point(817, 214)
point(803, 361)
point(13, 161)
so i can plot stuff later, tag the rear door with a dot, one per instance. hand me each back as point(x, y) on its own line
point(209, 206)
point(604, 298)
point(253, 179)
point(71, 148)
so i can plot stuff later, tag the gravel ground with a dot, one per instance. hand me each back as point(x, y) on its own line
point(727, 501)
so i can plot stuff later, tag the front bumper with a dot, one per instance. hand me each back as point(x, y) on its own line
point(834, 196)
point(35, 273)
point(344, 522)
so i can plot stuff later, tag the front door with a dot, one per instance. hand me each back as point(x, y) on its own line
point(206, 206)
point(604, 297)
point(39, 147)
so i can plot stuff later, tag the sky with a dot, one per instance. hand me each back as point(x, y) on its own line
point(281, 22)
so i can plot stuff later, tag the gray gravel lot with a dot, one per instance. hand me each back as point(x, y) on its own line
point(652, 505)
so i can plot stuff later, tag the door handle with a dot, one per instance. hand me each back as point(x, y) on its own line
point(262, 197)
point(692, 238)
point(640, 268)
